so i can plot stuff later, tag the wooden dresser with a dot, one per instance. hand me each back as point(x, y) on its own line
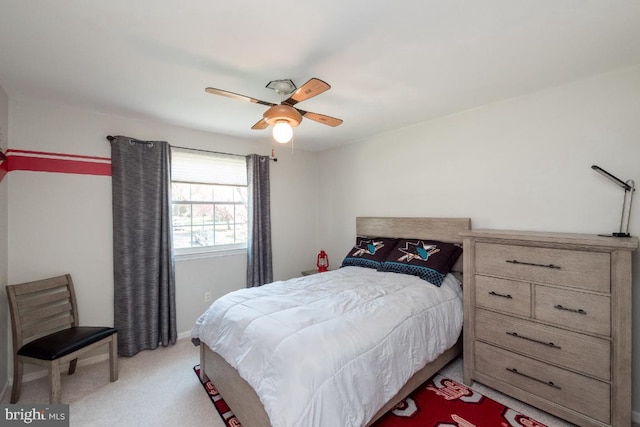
point(547, 320)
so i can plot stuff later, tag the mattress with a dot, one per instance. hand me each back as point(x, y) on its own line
point(332, 348)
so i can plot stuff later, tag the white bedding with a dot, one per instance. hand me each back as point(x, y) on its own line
point(330, 349)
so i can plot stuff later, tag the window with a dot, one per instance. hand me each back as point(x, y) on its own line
point(209, 201)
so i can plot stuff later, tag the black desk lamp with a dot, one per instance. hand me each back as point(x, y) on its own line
point(629, 187)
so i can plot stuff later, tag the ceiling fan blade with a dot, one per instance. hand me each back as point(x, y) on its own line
point(321, 118)
point(233, 95)
point(308, 90)
point(261, 124)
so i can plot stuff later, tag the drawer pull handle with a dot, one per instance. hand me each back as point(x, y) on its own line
point(549, 383)
point(573, 310)
point(515, 261)
point(495, 294)
point(548, 344)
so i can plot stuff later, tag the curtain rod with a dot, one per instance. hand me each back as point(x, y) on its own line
point(275, 159)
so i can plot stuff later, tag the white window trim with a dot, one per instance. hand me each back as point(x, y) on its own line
point(186, 254)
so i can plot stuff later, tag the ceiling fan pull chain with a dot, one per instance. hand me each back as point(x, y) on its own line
point(273, 148)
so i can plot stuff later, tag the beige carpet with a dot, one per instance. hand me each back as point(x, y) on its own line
point(158, 388)
point(154, 388)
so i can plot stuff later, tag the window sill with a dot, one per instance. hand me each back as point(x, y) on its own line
point(188, 256)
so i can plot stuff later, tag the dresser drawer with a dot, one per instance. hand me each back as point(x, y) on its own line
point(575, 310)
point(578, 352)
point(579, 269)
point(584, 395)
point(504, 295)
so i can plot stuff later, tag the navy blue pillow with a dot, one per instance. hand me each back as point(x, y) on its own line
point(369, 252)
point(430, 260)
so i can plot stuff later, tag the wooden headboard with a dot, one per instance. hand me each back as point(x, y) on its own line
point(443, 229)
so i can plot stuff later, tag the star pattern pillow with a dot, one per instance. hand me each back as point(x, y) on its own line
point(369, 252)
point(430, 260)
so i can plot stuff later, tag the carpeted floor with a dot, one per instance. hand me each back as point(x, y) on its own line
point(158, 388)
point(154, 388)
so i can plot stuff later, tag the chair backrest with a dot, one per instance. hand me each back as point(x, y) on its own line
point(41, 307)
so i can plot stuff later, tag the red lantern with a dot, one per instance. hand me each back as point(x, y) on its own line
point(323, 261)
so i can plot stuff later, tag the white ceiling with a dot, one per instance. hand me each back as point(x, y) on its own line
point(390, 63)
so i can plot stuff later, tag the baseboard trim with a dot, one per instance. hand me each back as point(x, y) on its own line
point(186, 334)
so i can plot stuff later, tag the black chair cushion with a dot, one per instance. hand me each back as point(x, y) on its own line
point(61, 343)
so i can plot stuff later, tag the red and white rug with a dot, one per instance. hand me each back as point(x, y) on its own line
point(440, 402)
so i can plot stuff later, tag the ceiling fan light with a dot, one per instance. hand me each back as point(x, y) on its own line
point(282, 131)
point(282, 113)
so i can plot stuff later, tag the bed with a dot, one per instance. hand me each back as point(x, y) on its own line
point(244, 399)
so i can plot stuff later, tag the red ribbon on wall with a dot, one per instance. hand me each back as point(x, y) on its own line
point(40, 161)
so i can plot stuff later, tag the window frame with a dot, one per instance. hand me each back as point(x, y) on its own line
point(198, 252)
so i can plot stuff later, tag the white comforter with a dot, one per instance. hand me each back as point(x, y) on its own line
point(330, 349)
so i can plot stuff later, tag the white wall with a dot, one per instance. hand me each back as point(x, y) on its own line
point(63, 223)
point(4, 229)
point(523, 163)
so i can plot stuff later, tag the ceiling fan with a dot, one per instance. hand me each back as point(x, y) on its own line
point(284, 116)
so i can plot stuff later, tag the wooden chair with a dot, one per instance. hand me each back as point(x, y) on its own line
point(46, 332)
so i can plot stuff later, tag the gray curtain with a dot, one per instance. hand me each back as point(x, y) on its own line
point(259, 259)
point(144, 275)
